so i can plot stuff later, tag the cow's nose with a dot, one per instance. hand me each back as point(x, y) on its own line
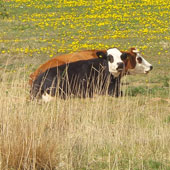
point(120, 66)
point(151, 67)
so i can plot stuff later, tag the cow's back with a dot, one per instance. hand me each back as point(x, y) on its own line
point(75, 78)
point(64, 59)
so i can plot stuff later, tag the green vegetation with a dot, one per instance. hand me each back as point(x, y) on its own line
point(3, 11)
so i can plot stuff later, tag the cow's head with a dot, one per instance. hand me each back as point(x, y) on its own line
point(135, 63)
point(115, 63)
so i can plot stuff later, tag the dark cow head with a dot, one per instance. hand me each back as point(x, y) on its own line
point(115, 63)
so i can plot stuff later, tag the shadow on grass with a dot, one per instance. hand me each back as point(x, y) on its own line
point(162, 91)
point(152, 164)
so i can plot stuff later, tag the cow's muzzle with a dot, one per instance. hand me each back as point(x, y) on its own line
point(120, 66)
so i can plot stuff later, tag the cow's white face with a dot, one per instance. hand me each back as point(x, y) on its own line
point(116, 65)
point(142, 66)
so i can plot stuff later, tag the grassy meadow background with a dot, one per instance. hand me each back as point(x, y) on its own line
point(131, 132)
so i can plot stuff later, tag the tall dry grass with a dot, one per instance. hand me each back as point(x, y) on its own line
point(93, 133)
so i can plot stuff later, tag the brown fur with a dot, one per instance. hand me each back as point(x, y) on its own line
point(130, 62)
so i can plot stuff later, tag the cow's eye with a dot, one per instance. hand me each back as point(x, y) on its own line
point(124, 56)
point(139, 60)
point(110, 58)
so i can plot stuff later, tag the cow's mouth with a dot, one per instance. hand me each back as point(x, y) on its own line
point(120, 70)
point(146, 72)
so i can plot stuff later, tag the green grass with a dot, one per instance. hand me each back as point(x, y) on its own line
point(156, 91)
point(131, 132)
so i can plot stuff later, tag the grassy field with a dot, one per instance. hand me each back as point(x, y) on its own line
point(131, 132)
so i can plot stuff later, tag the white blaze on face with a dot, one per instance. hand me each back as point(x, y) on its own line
point(142, 66)
point(113, 66)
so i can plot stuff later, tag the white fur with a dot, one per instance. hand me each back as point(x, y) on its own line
point(140, 68)
point(113, 66)
point(47, 98)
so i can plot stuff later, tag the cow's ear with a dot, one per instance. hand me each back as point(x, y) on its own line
point(124, 56)
point(101, 54)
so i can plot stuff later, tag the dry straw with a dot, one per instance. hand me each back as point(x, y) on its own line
point(102, 132)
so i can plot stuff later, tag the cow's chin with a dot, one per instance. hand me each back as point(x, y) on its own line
point(146, 72)
point(137, 72)
point(115, 74)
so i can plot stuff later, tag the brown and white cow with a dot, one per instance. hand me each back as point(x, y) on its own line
point(140, 65)
point(134, 62)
